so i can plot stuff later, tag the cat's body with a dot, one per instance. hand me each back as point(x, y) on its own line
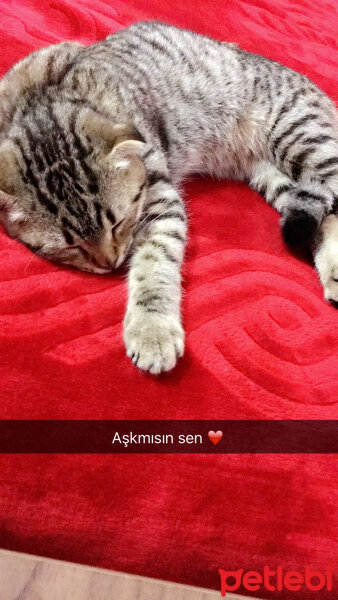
point(97, 140)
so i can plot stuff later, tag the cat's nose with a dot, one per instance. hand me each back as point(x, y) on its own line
point(110, 264)
point(106, 262)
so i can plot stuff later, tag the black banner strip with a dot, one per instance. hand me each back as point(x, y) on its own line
point(168, 437)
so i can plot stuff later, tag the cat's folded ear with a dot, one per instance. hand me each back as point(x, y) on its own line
point(120, 149)
point(44, 66)
point(122, 142)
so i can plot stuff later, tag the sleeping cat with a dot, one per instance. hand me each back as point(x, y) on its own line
point(95, 142)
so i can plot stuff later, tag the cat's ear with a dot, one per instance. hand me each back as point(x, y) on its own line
point(47, 65)
point(126, 153)
point(121, 141)
point(121, 153)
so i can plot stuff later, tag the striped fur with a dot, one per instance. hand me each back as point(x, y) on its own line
point(96, 141)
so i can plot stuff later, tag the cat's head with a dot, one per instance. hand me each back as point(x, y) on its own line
point(72, 185)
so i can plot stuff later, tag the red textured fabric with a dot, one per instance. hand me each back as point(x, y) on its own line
point(261, 343)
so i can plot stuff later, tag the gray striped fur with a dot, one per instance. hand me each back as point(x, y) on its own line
point(95, 143)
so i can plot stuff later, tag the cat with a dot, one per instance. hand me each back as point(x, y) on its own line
point(95, 142)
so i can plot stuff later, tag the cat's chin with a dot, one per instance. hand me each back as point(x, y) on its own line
point(97, 271)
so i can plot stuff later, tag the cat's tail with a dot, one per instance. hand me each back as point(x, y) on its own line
point(303, 143)
point(304, 211)
point(303, 205)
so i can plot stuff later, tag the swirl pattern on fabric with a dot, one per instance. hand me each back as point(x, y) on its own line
point(261, 343)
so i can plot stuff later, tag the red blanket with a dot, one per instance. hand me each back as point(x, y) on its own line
point(261, 343)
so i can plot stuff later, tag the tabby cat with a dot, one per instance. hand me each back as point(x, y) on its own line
point(95, 142)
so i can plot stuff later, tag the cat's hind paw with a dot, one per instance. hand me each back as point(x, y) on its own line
point(326, 258)
point(154, 342)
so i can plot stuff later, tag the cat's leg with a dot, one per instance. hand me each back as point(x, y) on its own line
point(326, 257)
point(315, 167)
point(153, 332)
point(288, 197)
point(302, 205)
point(304, 144)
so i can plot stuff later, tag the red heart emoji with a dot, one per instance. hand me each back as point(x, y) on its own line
point(215, 437)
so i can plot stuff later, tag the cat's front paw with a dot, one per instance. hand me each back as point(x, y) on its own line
point(154, 342)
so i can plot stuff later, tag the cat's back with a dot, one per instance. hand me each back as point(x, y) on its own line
point(178, 72)
point(166, 77)
point(168, 45)
point(153, 55)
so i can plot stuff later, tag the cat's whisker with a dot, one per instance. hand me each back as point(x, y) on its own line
point(146, 218)
point(28, 263)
